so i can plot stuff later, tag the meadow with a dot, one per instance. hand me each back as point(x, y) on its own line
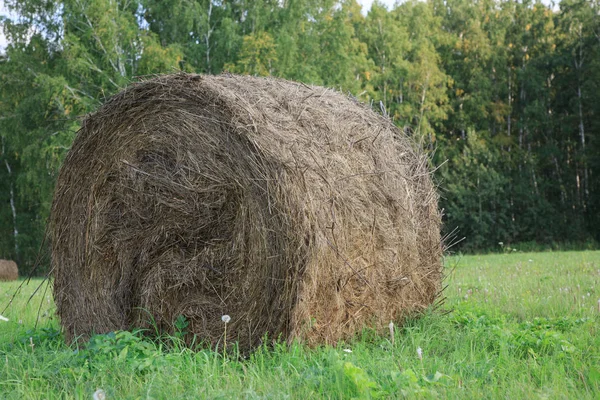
point(515, 325)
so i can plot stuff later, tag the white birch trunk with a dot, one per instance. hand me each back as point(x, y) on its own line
point(12, 202)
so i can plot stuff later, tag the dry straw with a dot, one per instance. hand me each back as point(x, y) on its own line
point(8, 271)
point(294, 209)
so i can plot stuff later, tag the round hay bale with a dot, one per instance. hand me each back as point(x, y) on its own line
point(296, 210)
point(8, 270)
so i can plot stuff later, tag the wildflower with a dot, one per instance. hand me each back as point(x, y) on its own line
point(225, 318)
point(99, 395)
point(3, 318)
point(501, 243)
point(420, 353)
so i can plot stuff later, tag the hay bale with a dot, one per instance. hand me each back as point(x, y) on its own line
point(295, 210)
point(8, 270)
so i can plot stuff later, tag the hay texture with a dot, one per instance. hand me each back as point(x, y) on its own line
point(296, 210)
point(8, 270)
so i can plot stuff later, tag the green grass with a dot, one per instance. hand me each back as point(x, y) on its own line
point(523, 325)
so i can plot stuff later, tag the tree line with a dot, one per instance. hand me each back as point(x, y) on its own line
point(504, 94)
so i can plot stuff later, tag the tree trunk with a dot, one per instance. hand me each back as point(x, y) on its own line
point(12, 203)
point(522, 119)
point(14, 215)
point(509, 117)
point(582, 139)
point(563, 194)
point(578, 62)
point(207, 36)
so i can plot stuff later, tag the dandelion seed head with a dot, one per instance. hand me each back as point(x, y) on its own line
point(226, 318)
point(99, 395)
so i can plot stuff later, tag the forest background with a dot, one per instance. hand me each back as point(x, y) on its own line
point(503, 94)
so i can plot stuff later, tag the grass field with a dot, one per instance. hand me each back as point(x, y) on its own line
point(522, 325)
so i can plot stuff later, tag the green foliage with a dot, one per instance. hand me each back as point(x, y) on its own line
point(542, 336)
point(504, 94)
point(180, 325)
point(257, 55)
point(121, 349)
point(365, 386)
